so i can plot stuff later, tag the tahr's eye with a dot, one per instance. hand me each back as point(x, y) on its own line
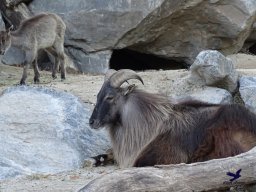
point(109, 98)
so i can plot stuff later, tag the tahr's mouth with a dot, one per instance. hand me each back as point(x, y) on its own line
point(95, 124)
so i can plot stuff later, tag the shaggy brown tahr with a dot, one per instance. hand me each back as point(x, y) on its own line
point(44, 31)
point(148, 129)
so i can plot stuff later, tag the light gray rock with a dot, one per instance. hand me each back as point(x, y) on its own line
point(213, 95)
point(45, 131)
point(176, 30)
point(214, 69)
point(14, 56)
point(247, 90)
point(181, 29)
point(92, 63)
point(208, 95)
point(252, 37)
point(96, 26)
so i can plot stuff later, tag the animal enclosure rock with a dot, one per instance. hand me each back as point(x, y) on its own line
point(45, 131)
point(214, 69)
point(92, 63)
point(252, 37)
point(176, 30)
point(14, 57)
point(85, 39)
point(208, 95)
point(185, 88)
point(247, 90)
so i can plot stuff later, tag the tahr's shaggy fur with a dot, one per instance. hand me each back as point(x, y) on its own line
point(148, 129)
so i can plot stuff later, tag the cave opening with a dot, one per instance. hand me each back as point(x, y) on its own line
point(252, 49)
point(130, 59)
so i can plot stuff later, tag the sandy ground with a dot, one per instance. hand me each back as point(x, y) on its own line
point(86, 88)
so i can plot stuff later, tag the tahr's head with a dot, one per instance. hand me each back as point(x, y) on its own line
point(112, 97)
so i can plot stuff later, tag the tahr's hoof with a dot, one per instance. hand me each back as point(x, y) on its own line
point(54, 76)
point(22, 82)
point(103, 159)
point(100, 160)
point(36, 81)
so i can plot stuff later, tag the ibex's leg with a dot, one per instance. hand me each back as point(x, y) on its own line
point(24, 75)
point(55, 68)
point(59, 48)
point(36, 71)
point(30, 57)
point(52, 51)
point(62, 66)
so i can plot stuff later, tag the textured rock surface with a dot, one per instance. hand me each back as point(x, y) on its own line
point(214, 69)
point(252, 37)
point(247, 90)
point(176, 29)
point(45, 131)
point(87, 41)
point(209, 95)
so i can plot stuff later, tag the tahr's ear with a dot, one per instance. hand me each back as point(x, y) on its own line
point(129, 89)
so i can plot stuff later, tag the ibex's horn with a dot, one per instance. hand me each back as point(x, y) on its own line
point(119, 77)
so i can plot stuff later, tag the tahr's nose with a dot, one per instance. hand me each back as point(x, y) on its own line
point(91, 121)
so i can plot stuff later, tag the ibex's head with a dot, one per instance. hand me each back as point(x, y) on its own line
point(111, 98)
point(5, 39)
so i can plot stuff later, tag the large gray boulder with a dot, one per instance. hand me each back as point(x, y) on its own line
point(176, 30)
point(211, 68)
point(206, 94)
point(94, 27)
point(252, 37)
point(45, 131)
point(247, 90)
point(183, 90)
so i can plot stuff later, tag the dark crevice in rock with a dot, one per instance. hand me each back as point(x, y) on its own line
point(75, 47)
point(252, 49)
point(129, 59)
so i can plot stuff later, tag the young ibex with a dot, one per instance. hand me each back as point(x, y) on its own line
point(148, 129)
point(44, 31)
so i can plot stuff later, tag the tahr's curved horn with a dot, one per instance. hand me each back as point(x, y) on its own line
point(108, 74)
point(119, 77)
